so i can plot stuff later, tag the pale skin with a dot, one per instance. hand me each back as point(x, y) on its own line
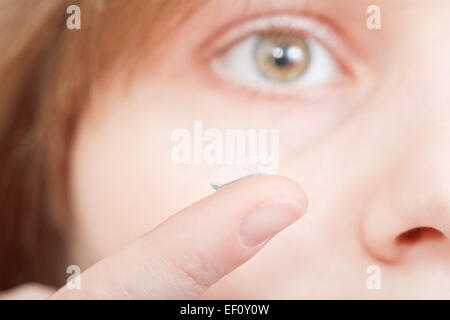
point(370, 152)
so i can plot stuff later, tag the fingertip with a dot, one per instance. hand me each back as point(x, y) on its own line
point(268, 188)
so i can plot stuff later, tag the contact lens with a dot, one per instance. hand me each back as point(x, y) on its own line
point(232, 173)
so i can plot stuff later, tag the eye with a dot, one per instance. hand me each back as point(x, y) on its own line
point(282, 59)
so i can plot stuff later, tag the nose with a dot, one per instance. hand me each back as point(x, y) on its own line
point(408, 215)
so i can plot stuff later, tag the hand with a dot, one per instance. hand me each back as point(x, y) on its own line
point(193, 249)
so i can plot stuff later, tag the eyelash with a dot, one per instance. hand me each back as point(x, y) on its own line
point(285, 23)
point(302, 26)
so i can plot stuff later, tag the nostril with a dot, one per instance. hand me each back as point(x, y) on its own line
point(419, 234)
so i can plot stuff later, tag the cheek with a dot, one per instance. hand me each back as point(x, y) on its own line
point(124, 182)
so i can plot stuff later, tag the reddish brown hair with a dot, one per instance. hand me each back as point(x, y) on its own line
point(47, 72)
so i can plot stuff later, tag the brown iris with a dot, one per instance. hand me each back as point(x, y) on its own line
point(281, 57)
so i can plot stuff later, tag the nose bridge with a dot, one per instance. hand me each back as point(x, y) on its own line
point(416, 193)
point(421, 182)
point(424, 110)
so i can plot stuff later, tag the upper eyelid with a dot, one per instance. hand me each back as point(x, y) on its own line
point(282, 22)
point(305, 24)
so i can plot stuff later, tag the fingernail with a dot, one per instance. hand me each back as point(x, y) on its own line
point(269, 219)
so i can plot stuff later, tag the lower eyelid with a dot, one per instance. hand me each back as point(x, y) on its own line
point(316, 74)
point(303, 25)
point(312, 26)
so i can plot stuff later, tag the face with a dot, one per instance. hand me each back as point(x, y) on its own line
point(364, 128)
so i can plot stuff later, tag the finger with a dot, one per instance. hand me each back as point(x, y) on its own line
point(29, 291)
point(193, 249)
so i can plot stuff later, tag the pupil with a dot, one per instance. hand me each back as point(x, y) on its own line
point(285, 55)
